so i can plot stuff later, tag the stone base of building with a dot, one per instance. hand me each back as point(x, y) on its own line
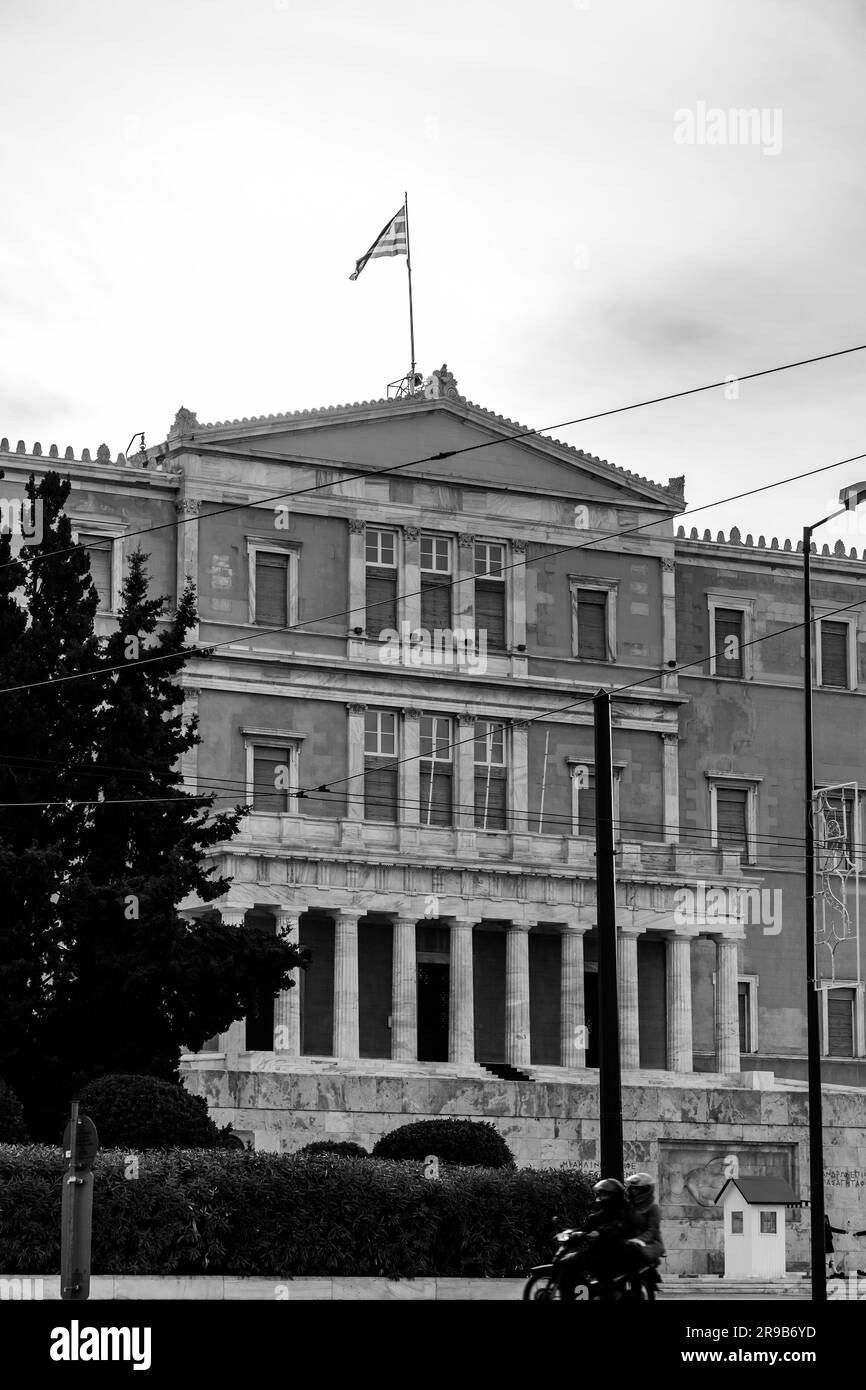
point(690, 1132)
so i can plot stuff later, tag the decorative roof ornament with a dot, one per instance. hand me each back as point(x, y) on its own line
point(677, 486)
point(103, 454)
point(185, 421)
point(441, 385)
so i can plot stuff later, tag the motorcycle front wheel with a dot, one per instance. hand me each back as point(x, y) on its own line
point(541, 1286)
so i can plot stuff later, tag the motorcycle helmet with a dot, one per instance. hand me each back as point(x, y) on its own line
point(609, 1191)
point(639, 1185)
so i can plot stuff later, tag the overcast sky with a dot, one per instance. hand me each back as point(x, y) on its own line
point(186, 185)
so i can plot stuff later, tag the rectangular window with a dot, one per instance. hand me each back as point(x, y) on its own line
point(736, 1223)
point(732, 819)
point(728, 642)
point(436, 771)
point(272, 588)
point(744, 1016)
point(380, 770)
point(381, 597)
point(272, 779)
point(490, 776)
point(100, 553)
point(768, 1223)
point(592, 624)
point(490, 601)
point(840, 1022)
point(435, 583)
point(834, 654)
point(584, 804)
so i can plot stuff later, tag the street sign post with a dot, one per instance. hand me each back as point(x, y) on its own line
point(80, 1144)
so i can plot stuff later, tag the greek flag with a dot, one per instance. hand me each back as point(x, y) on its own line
point(391, 241)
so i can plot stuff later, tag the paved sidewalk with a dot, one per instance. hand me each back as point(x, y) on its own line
point(227, 1287)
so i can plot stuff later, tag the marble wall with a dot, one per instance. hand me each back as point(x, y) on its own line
point(686, 1138)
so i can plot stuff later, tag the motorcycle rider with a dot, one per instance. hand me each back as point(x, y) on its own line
point(643, 1243)
point(606, 1227)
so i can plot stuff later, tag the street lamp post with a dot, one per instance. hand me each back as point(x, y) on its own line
point(850, 497)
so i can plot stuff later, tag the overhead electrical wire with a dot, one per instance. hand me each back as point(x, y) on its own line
point(447, 453)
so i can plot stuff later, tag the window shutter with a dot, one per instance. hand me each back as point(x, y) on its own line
point(592, 624)
point(380, 790)
point(100, 573)
point(731, 818)
point(495, 801)
point(490, 612)
point(272, 589)
point(586, 809)
point(435, 810)
point(381, 600)
point(436, 603)
point(834, 654)
point(840, 1023)
point(729, 623)
point(265, 764)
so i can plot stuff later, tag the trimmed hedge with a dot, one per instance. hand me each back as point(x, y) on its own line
point(145, 1112)
point(474, 1142)
point(344, 1147)
point(218, 1212)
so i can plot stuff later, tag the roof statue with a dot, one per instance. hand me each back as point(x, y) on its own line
point(185, 421)
point(441, 384)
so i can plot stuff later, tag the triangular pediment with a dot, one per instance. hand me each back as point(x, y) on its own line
point(453, 442)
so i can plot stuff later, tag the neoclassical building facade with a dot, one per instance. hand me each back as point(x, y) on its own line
point(409, 610)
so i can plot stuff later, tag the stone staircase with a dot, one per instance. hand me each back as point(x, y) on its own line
point(504, 1072)
point(713, 1286)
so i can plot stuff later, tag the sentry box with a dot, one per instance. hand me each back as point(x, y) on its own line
point(754, 1214)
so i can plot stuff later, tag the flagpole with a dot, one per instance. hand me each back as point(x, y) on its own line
point(411, 316)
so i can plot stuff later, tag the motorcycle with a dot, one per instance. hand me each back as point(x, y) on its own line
point(583, 1269)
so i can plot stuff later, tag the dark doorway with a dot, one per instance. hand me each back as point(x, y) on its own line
point(590, 1004)
point(432, 1011)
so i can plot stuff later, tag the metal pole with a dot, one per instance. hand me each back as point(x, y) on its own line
point(544, 784)
point(813, 1032)
point(411, 315)
point(609, 1078)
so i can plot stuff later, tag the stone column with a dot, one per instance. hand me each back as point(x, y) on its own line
point(669, 622)
point(234, 1040)
point(188, 509)
point(409, 769)
point(355, 763)
point(518, 781)
point(404, 992)
point(629, 1023)
point(461, 1001)
point(671, 785)
point(678, 969)
point(572, 1044)
point(464, 769)
point(409, 606)
point(727, 1015)
point(287, 1007)
point(464, 583)
point(346, 983)
point(519, 660)
point(357, 615)
point(517, 1043)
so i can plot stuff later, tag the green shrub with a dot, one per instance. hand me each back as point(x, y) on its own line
point(144, 1112)
point(344, 1147)
point(281, 1215)
point(475, 1143)
point(12, 1127)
